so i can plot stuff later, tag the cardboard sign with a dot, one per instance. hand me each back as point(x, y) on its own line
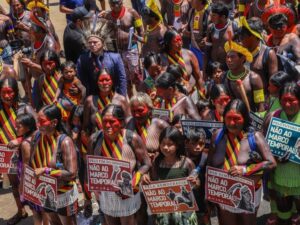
point(204, 128)
point(256, 121)
point(284, 137)
point(108, 174)
point(40, 190)
point(237, 192)
point(8, 160)
point(170, 196)
point(163, 114)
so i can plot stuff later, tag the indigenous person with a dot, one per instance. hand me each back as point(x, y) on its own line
point(172, 98)
point(218, 33)
point(97, 58)
point(48, 82)
point(143, 124)
point(284, 179)
point(250, 35)
point(10, 107)
point(117, 142)
point(171, 163)
point(155, 30)
point(65, 96)
point(216, 75)
point(239, 77)
point(95, 104)
point(20, 17)
point(280, 38)
point(219, 98)
point(25, 127)
point(6, 35)
point(196, 28)
point(153, 68)
point(174, 54)
point(74, 34)
point(231, 151)
point(62, 163)
point(125, 18)
point(257, 8)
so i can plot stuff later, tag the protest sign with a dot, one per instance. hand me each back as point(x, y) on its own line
point(41, 190)
point(8, 160)
point(163, 114)
point(256, 121)
point(108, 174)
point(237, 192)
point(284, 137)
point(204, 128)
point(169, 196)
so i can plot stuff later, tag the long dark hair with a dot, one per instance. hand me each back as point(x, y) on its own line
point(151, 58)
point(105, 71)
point(51, 56)
point(12, 82)
point(215, 92)
point(291, 87)
point(53, 112)
point(169, 35)
point(241, 108)
point(175, 136)
point(117, 111)
point(280, 78)
point(27, 120)
point(166, 80)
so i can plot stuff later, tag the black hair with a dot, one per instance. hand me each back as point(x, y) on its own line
point(280, 78)
point(148, 12)
point(117, 111)
point(195, 136)
point(12, 82)
point(27, 120)
point(291, 87)
point(77, 111)
point(68, 64)
point(105, 71)
point(51, 56)
point(169, 35)
point(53, 112)
point(255, 24)
point(241, 108)
point(166, 80)
point(215, 92)
point(177, 118)
point(214, 66)
point(220, 8)
point(151, 58)
point(176, 70)
point(201, 105)
point(277, 20)
point(175, 136)
point(21, 2)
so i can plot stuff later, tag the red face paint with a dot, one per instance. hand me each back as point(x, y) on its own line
point(222, 100)
point(139, 111)
point(7, 94)
point(234, 121)
point(177, 39)
point(104, 81)
point(272, 88)
point(43, 121)
point(111, 125)
point(290, 104)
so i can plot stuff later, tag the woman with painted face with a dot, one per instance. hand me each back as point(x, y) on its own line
point(47, 83)
point(10, 107)
point(174, 54)
point(219, 98)
point(285, 180)
point(172, 97)
point(25, 127)
point(54, 154)
point(119, 143)
point(95, 104)
point(233, 151)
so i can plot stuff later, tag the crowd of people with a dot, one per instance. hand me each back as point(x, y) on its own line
point(214, 61)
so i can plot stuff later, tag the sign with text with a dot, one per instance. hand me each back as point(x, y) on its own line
point(163, 114)
point(8, 160)
point(237, 192)
point(256, 121)
point(204, 128)
point(41, 190)
point(283, 138)
point(108, 174)
point(170, 196)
